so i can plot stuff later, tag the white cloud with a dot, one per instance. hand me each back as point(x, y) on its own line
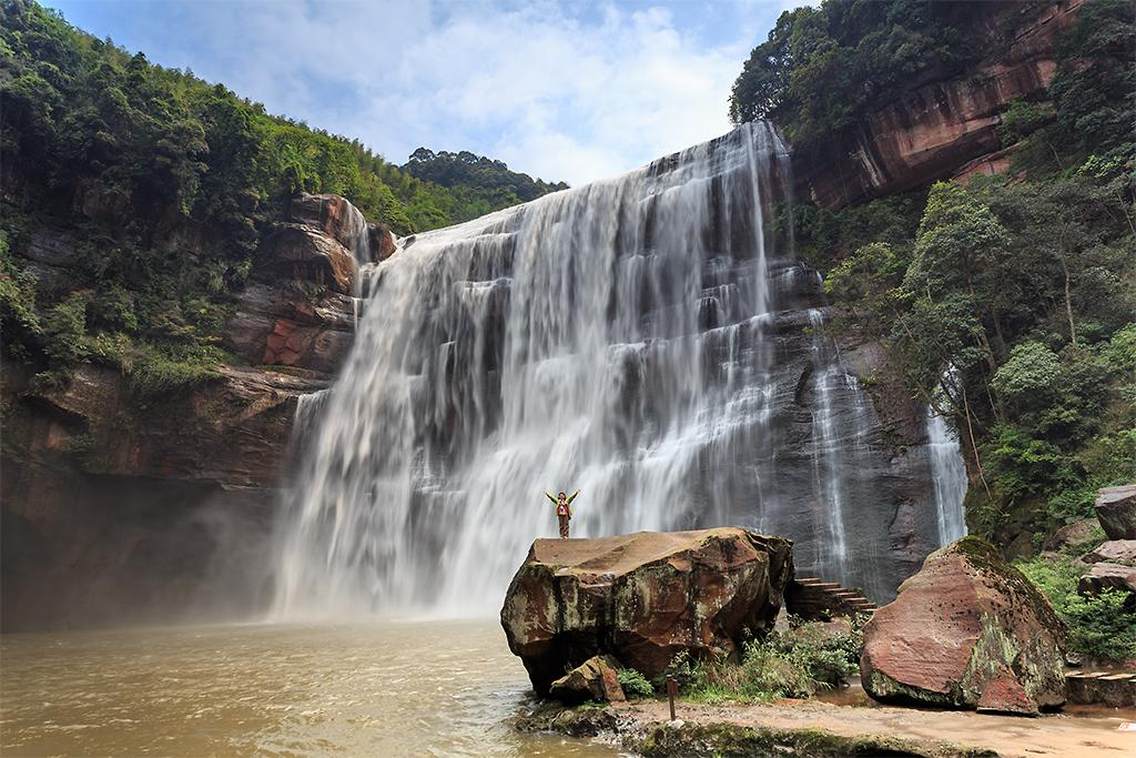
point(556, 89)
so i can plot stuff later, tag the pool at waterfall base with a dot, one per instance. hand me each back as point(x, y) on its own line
point(381, 688)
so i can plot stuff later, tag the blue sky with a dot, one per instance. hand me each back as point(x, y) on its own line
point(558, 89)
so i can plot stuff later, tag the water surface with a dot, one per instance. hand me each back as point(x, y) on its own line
point(376, 689)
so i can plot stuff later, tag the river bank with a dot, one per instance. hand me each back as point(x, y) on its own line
point(819, 728)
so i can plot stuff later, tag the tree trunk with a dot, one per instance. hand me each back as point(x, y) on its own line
point(1068, 301)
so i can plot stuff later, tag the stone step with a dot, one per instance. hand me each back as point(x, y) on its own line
point(1114, 688)
point(816, 597)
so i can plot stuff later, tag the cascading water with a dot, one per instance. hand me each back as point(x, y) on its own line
point(948, 474)
point(644, 339)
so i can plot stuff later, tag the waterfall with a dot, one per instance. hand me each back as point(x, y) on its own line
point(641, 338)
point(948, 477)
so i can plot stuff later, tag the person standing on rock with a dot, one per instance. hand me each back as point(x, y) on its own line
point(563, 510)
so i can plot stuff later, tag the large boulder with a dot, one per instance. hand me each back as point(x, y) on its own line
point(1113, 551)
point(1108, 576)
point(1116, 511)
point(643, 598)
point(967, 631)
point(595, 679)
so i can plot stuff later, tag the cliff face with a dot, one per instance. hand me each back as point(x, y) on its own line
point(117, 503)
point(944, 128)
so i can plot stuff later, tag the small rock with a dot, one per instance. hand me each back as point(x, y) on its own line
point(595, 679)
point(1116, 510)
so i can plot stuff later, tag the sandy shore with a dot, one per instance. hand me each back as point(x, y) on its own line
point(1074, 733)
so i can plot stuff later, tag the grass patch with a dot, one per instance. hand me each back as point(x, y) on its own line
point(798, 663)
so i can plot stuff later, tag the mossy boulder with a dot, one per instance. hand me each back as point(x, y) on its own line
point(967, 631)
point(643, 598)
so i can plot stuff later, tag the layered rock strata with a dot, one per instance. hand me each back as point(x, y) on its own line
point(946, 123)
point(120, 506)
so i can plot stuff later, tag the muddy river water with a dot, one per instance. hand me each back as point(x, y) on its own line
point(376, 689)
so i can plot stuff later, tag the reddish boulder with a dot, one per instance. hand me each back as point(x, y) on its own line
point(643, 598)
point(333, 215)
point(338, 218)
point(595, 679)
point(383, 242)
point(1116, 511)
point(967, 631)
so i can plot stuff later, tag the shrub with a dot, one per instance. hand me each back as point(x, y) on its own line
point(797, 663)
point(1100, 627)
point(162, 368)
point(634, 684)
point(18, 318)
point(66, 329)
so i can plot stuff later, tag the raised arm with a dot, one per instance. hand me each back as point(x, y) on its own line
point(573, 496)
point(550, 497)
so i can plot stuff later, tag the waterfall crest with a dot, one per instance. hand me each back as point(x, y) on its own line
point(647, 339)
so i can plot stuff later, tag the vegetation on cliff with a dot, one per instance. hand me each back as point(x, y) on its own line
point(161, 185)
point(1023, 283)
point(823, 67)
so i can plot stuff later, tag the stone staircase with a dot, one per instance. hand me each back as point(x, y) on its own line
point(1115, 688)
point(812, 598)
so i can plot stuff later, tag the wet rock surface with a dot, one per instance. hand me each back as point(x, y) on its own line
point(643, 598)
point(339, 219)
point(121, 510)
point(967, 631)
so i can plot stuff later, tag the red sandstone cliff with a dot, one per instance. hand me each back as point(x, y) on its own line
point(943, 128)
point(114, 502)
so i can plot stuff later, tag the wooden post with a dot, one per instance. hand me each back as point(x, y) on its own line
point(672, 690)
